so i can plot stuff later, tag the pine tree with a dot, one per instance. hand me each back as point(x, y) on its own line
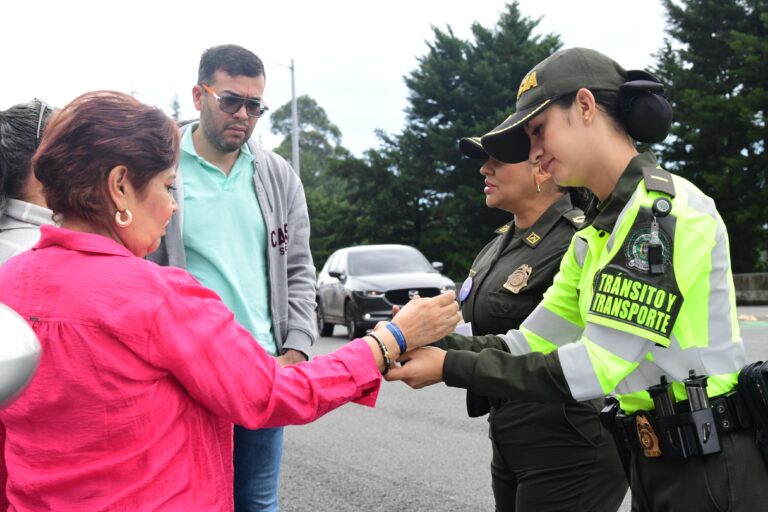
point(460, 88)
point(175, 108)
point(717, 80)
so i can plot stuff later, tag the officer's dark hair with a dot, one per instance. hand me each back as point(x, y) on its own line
point(640, 109)
point(580, 196)
point(18, 141)
point(232, 59)
point(607, 101)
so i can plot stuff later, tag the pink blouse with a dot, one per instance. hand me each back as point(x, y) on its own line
point(143, 373)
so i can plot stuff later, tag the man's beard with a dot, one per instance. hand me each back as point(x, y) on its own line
point(218, 141)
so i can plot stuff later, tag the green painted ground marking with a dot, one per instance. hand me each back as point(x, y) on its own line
point(746, 324)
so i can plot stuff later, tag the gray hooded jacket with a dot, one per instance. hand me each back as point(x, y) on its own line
point(291, 270)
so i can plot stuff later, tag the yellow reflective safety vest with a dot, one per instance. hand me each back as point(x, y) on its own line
point(621, 315)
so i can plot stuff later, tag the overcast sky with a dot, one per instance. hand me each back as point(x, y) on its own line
point(350, 55)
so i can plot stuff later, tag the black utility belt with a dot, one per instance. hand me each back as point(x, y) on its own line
point(686, 433)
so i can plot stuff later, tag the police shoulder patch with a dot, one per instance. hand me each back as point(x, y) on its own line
point(628, 290)
point(658, 180)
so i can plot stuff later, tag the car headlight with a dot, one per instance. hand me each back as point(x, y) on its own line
point(371, 294)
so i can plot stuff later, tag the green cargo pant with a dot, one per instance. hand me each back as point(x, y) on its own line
point(554, 457)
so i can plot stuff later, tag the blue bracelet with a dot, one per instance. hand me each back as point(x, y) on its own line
point(398, 334)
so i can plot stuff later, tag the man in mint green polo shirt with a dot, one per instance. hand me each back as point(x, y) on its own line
point(220, 208)
point(242, 230)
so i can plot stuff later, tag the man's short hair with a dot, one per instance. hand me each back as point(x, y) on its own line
point(230, 58)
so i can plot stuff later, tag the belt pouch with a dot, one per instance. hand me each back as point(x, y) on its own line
point(753, 387)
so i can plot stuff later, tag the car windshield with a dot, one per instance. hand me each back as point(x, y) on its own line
point(387, 261)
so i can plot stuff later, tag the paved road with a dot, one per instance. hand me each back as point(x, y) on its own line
point(417, 451)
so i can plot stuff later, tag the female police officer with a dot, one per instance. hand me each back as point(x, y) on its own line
point(643, 306)
point(581, 471)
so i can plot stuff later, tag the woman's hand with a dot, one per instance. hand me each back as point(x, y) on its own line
point(424, 320)
point(424, 368)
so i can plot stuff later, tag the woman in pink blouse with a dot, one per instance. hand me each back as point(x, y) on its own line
point(143, 370)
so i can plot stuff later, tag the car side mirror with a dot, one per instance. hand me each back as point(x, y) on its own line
point(338, 275)
point(437, 265)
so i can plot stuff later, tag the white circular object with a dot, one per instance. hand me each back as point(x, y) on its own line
point(19, 355)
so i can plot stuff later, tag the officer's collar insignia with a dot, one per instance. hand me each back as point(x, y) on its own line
point(579, 219)
point(503, 229)
point(647, 436)
point(518, 279)
point(533, 238)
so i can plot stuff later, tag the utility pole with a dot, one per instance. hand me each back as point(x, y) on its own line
point(294, 117)
point(295, 125)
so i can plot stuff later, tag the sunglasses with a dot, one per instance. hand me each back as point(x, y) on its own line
point(43, 107)
point(233, 104)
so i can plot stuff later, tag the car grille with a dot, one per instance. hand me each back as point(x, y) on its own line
point(401, 296)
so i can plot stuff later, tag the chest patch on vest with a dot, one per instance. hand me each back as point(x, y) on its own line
point(623, 297)
point(625, 291)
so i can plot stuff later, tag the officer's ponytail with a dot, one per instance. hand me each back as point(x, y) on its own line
point(580, 196)
point(645, 112)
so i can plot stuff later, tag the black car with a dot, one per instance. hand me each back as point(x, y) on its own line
point(359, 285)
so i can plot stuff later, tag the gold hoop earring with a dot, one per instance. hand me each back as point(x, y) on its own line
point(538, 187)
point(128, 218)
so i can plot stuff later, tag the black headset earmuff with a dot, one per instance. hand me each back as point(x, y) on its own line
point(645, 111)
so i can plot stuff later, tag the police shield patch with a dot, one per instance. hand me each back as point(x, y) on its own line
point(518, 279)
point(637, 249)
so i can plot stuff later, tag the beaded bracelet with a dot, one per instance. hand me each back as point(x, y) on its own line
point(398, 334)
point(384, 353)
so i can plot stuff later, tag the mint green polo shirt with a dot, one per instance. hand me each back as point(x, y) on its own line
point(225, 237)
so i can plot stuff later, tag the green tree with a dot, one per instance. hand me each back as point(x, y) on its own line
point(460, 88)
point(175, 108)
point(329, 173)
point(416, 188)
point(717, 75)
point(319, 138)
